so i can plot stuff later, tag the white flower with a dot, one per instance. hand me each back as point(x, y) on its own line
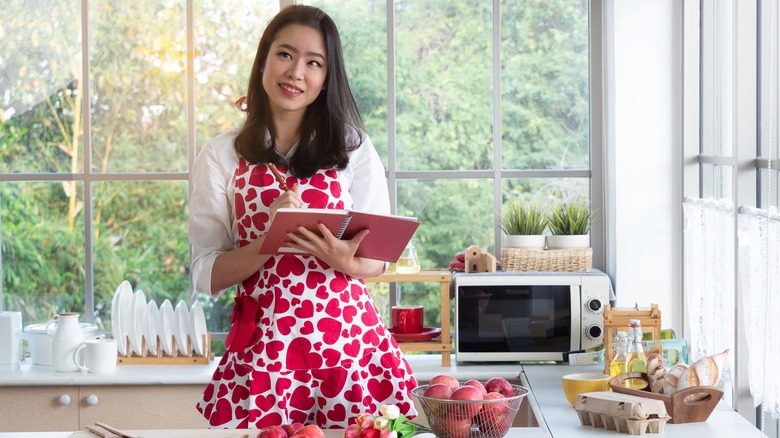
point(391, 412)
point(381, 423)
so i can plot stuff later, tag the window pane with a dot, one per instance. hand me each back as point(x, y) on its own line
point(546, 191)
point(138, 86)
point(40, 87)
point(140, 236)
point(717, 64)
point(453, 213)
point(544, 84)
point(444, 76)
point(226, 37)
point(43, 248)
point(363, 30)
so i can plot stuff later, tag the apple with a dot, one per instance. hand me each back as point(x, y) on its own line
point(447, 380)
point(455, 427)
point(310, 431)
point(292, 428)
point(477, 384)
point(437, 391)
point(495, 417)
point(272, 432)
point(467, 393)
point(499, 385)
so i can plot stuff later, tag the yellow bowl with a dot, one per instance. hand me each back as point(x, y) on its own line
point(574, 384)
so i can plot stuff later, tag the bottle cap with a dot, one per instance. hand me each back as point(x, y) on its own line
point(622, 334)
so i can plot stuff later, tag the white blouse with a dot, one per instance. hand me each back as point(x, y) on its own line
point(212, 221)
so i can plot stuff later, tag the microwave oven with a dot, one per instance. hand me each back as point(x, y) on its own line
point(515, 316)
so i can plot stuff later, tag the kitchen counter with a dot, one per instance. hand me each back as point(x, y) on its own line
point(547, 400)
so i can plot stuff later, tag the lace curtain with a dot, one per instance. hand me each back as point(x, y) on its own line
point(759, 273)
point(708, 265)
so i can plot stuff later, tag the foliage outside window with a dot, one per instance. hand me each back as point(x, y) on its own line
point(147, 118)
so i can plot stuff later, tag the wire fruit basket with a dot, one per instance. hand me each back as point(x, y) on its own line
point(470, 418)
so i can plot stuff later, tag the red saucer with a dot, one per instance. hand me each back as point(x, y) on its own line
point(427, 334)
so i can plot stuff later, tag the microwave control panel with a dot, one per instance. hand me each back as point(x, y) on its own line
point(594, 296)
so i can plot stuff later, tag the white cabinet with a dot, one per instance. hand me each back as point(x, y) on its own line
point(64, 408)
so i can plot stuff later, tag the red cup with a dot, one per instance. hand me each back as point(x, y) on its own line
point(407, 319)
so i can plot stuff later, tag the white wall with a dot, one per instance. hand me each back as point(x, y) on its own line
point(647, 132)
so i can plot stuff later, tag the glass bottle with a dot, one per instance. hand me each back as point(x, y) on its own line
point(618, 364)
point(636, 361)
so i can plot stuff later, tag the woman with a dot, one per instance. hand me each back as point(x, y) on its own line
point(307, 343)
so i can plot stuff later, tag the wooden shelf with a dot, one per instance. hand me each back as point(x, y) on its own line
point(442, 344)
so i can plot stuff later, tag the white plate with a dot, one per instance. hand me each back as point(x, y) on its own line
point(181, 327)
point(135, 318)
point(119, 315)
point(197, 327)
point(151, 316)
point(165, 327)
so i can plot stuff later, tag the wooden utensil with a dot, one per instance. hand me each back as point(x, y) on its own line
point(99, 431)
point(118, 433)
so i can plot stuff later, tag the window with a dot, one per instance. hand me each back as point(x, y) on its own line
point(736, 165)
point(470, 104)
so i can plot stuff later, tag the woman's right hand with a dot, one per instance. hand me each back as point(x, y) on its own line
point(288, 199)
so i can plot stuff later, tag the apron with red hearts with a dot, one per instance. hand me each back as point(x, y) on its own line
point(307, 343)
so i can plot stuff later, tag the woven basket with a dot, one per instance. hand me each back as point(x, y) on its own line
point(547, 260)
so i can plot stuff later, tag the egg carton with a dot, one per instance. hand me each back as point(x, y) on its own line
point(621, 412)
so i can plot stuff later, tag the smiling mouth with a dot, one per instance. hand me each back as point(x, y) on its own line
point(290, 90)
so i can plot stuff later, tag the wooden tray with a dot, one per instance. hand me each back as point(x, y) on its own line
point(682, 411)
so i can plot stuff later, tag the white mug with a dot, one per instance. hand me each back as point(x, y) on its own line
point(98, 354)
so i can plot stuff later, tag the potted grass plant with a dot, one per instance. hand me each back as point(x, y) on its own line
point(570, 224)
point(524, 224)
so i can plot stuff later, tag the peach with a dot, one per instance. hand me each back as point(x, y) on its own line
point(447, 380)
point(499, 385)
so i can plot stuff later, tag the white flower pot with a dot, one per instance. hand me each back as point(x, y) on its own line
point(524, 241)
point(568, 242)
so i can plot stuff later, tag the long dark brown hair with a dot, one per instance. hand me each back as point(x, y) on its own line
point(331, 126)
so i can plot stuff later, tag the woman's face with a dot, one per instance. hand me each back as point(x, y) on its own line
point(295, 69)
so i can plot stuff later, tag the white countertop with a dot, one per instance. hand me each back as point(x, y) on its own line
point(551, 408)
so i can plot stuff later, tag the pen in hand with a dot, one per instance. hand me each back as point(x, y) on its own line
point(279, 177)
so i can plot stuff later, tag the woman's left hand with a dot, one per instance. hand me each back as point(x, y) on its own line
point(339, 254)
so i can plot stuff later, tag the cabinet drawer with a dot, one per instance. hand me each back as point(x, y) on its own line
point(39, 408)
point(142, 406)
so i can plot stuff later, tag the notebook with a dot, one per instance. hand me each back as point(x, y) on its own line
point(388, 234)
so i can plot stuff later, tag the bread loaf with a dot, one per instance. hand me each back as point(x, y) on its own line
point(706, 371)
point(656, 372)
point(672, 378)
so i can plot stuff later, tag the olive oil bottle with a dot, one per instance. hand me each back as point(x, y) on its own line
point(636, 361)
point(618, 364)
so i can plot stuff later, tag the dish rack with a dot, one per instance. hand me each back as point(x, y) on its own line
point(162, 359)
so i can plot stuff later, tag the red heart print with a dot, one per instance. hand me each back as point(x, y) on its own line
point(284, 324)
point(355, 330)
point(274, 367)
point(301, 399)
point(355, 394)
point(337, 414)
point(241, 413)
point(308, 328)
point(268, 419)
point(380, 390)
point(305, 310)
point(331, 357)
point(265, 403)
point(222, 391)
point(314, 279)
point(353, 348)
point(349, 313)
point(261, 383)
point(338, 284)
point(300, 357)
point(315, 198)
point(330, 329)
point(222, 412)
point(333, 309)
point(319, 307)
point(322, 293)
point(282, 385)
point(273, 348)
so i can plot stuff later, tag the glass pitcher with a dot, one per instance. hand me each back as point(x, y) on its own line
point(408, 263)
